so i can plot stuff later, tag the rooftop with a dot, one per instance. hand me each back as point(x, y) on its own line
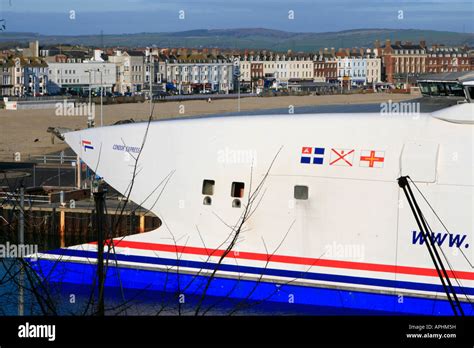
point(461, 76)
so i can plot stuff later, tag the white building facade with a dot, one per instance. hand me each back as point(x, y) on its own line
point(130, 71)
point(81, 76)
point(353, 69)
point(212, 76)
point(374, 70)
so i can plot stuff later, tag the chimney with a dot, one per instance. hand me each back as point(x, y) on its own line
point(377, 43)
point(423, 43)
point(388, 43)
point(398, 43)
point(182, 52)
point(34, 49)
point(333, 51)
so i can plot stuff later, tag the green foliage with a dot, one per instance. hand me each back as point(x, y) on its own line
point(250, 39)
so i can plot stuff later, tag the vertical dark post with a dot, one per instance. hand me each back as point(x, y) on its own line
point(21, 241)
point(99, 210)
point(21, 220)
point(133, 228)
point(53, 221)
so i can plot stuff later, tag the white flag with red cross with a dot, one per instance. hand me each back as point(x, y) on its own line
point(372, 158)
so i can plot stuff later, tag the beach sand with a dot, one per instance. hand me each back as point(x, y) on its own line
point(24, 131)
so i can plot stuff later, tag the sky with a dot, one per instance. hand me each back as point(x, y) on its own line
point(54, 17)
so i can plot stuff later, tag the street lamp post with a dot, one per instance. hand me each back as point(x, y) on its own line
point(101, 98)
point(90, 123)
point(151, 84)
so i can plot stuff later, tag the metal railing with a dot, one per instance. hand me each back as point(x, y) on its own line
point(205, 96)
point(7, 197)
point(52, 159)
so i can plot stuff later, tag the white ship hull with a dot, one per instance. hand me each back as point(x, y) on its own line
point(352, 242)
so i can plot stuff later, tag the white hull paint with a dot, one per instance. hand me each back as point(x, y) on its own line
point(356, 221)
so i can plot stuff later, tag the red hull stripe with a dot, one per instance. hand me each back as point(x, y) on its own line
point(297, 260)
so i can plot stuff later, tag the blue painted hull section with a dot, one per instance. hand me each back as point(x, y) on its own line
point(248, 290)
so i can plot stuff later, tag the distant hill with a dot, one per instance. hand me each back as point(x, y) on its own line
point(251, 38)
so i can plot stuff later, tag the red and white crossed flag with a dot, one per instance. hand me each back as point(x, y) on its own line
point(342, 157)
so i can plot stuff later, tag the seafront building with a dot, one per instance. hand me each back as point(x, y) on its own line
point(80, 77)
point(374, 70)
point(325, 66)
point(442, 59)
point(190, 72)
point(6, 76)
point(39, 70)
point(23, 76)
point(402, 60)
point(283, 67)
point(129, 71)
point(353, 70)
point(36, 76)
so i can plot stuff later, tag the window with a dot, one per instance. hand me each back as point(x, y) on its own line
point(237, 189)
point(471, 92)
point(301, 192)
point(208, 187)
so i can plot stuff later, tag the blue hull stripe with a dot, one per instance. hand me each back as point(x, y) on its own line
point(266, 271)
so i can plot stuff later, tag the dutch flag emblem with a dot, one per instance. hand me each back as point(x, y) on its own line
point(86, 144)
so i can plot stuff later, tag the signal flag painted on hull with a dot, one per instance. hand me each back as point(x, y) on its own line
point(372, 158)
point(342, 157)
point(86, 144)
point(312, 155)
